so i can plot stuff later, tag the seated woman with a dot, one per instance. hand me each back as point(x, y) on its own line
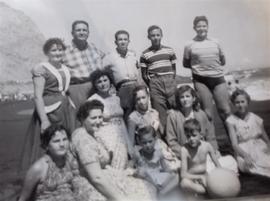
point(188, 108)
point(117, 140)
point(50, 177)
point(153, 163)
point(51, 82)
point(95, 160)
point(250, 142)
point(142, 115)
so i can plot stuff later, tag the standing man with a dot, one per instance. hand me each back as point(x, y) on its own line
point(158, 71)
point(124, 66)
point(82, 59)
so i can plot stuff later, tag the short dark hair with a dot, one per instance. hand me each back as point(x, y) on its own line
point(98, 74)
point(238, 92)
point(180, 90)
point(139, 88)
point(52, 41)
point(153, 27)
point(85, 108)
point(120, 32)
point(49, 132)
point(144, 131)
point(79, 22)
point(191, 125)
point(199, 18)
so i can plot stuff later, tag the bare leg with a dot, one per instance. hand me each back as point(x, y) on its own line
point(173, 181)
point(191, 186)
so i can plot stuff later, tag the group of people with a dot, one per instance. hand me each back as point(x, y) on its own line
point(113, 127)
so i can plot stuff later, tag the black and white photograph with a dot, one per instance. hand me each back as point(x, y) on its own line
point(124, 100)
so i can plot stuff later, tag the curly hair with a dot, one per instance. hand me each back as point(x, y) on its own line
point(49, 132)
point(238, 92)
point(178, 93)
point(98, 74)
point(52, 41)
point(85, 108)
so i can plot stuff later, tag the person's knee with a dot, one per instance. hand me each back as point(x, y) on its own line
point(224, 112)
point(185, 184)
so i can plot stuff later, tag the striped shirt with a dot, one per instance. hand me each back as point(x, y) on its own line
point(158, 61)
point(205, 57)
point(82, 63)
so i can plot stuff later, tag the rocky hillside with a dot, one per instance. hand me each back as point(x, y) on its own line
point(20, 45)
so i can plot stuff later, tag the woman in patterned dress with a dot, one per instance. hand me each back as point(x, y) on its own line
point(249, 139)
point(50, 177)
point(105, 182)
point(117, 140)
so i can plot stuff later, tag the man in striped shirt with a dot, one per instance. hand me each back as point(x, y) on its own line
point(158, 70)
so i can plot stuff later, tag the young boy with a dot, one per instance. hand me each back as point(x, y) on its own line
point(158, 66)
point(156, 162)
point(193, 159)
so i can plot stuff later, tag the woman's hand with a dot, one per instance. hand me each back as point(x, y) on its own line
point(45, 124)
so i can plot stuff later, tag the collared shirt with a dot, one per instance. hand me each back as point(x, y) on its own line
point(82, 63)
point(123, 68)
point(158, 61)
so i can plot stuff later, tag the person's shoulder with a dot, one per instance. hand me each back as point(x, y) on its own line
point(146, 50)
point(214, 40)
point(166, 47)
point(94, 96)
point(134, 115)
point(38, 70)
point(174, 113)
point(132, 52)
point(205, 145)
point(231, 119)
point(188, 43)
point(78, 133)
point(256, 117)
point(39, 167)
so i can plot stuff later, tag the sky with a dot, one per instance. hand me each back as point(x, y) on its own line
point(242, 26)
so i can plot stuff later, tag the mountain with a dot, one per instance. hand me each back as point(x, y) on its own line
point(20, 45)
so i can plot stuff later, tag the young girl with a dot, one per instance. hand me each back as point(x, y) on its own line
point(194, 157)
point(187, 108)
point(143, 114)
point(249, 139)
point(156, 162)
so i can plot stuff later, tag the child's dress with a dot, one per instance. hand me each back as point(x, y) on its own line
point(163, 166)
point(249, 135)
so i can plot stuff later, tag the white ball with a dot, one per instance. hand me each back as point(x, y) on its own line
point(222, 183)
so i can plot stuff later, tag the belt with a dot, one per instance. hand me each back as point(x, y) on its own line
point(124, 82)
point(75, 80)
point(152, 75)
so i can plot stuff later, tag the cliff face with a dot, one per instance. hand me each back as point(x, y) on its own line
point(20, 45)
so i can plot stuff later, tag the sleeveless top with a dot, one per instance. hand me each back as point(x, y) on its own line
point(57, 185)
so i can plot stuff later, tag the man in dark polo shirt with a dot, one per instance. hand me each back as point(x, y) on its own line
point(158, 71)
point(82, 59)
